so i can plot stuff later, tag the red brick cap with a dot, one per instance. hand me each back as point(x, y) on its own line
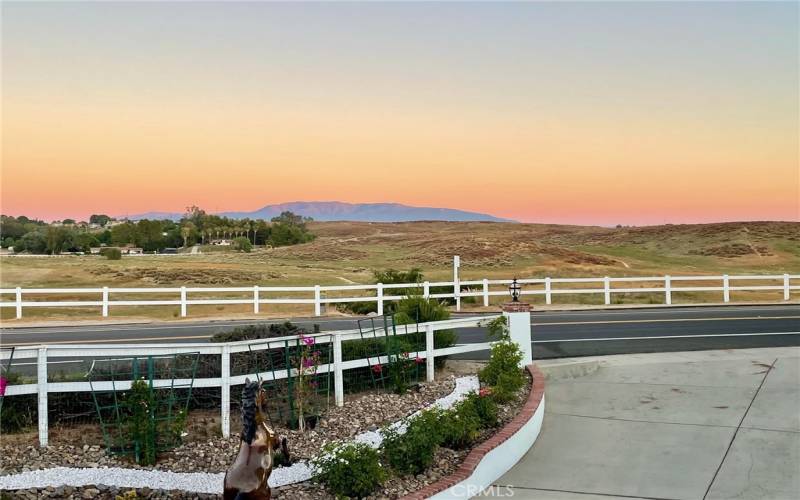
point(474, 457)
point(516, 307)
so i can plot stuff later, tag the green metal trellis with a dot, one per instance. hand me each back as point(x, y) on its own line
point(143, 418)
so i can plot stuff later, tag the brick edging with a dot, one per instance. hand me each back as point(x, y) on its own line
point(475, 456)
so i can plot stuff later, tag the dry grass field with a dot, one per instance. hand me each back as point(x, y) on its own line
point(348, 252)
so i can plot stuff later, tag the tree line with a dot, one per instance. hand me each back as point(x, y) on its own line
point(195, 227)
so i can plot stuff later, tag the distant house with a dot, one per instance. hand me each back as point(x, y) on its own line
point(169, 250)
point(221, 242)
point(95, 250)
point(132, 250)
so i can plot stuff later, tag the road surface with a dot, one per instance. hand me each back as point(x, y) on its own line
point(555, 333)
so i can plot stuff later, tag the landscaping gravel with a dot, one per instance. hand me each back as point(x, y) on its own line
point(91, 464)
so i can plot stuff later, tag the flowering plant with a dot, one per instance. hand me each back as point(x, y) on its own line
point(349, 470)
point(3, 385)
point(306, 366)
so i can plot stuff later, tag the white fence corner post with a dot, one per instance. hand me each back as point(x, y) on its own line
point(256, 298)
point(105, 301)
point(41, 383)
point(225, 404)
point(338, 376)
point(485, 292)
point(726, 288)
point(548, 296)
point(426, 290)
point(786, 287)
point(518, 317)
point(607, 290)
point(183, 302)
point(19, 302)
point(429, 354)
point(317, 301)
point(668, 290)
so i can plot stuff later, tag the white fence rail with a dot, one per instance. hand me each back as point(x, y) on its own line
point(322, 295)
point(223, 352)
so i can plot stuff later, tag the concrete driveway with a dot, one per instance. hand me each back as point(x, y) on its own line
point(693, 425)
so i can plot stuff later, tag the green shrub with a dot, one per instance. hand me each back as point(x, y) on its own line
point(254, 332)
point(460, 426)
point(484, 406)
point(111, 253)
point(19, 412)
point(241, 244)
point(349, 470)
point(413, 452)
point(503, 373)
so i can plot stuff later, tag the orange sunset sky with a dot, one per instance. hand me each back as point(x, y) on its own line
point(580, 113)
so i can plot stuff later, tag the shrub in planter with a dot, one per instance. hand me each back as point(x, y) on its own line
point(460, 426)
point(349, 469)
point(484, 406)
point(503, 373)
point(412, 452)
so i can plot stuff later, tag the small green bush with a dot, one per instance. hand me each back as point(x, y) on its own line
point(349, 470)
point(254, 332)
point(485, 407)
point(413, 452)
point(242, 244)
point(460, 426)
point(111, 253)
point(503, 373)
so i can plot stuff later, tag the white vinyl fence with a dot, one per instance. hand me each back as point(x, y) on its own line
point(223, 351)
point(318, 295)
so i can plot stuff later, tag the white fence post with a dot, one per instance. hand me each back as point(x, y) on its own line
point(485, 292)
point(256, 298)
point(225, 404)
point(429, 356)
point(426, 290)
point(380, 299)
point(317, 301)
point(19, 303)
point(183, 302)
point(726, 289)
point(105, 301)
point(667, 290)
point(456, 282)
point(548, 297)
point(785, 287)
point(607, 290)
point(338, 376)
point(41, 382)
point(518, 318)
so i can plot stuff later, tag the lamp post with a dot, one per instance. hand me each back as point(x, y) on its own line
point(515, 290)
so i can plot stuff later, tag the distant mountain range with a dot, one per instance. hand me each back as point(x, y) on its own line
point(340, 211)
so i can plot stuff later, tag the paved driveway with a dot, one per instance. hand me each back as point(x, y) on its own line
point(695, 425)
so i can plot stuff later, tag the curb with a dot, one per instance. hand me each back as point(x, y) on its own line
point(495, 456)
point(569, 369)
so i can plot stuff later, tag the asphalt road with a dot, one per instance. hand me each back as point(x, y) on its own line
point(555, 333)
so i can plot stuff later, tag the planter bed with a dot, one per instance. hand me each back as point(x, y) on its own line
point(82, 446)
point(446, 463)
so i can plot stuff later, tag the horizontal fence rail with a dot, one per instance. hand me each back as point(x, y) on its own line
point(319, 296)
point(222, 353)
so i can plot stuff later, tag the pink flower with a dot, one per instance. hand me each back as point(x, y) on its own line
point(3, 384)
point(308, 340)
point(377, 368)
point(308, 362)
point(486, 391)
point(418, 360)
point(405, 355)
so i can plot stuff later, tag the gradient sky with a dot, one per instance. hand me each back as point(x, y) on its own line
point(587, 113)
